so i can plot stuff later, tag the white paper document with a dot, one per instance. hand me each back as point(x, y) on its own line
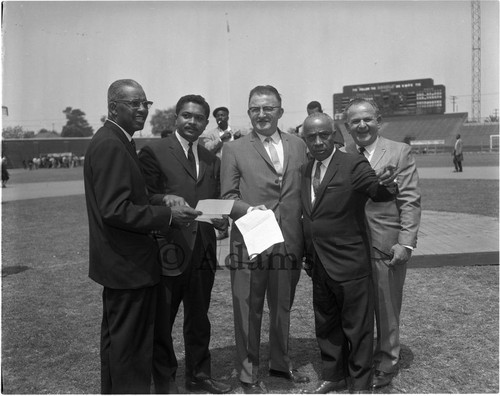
point(260, 231)
point(214, 209)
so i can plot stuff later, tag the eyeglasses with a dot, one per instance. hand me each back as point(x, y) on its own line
point(135, 104)
point(265, 109)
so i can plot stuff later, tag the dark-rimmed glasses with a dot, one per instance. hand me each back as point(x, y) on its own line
point(135, 104)
point(265, 109)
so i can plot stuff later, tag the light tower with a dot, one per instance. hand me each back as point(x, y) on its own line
point(476, 61)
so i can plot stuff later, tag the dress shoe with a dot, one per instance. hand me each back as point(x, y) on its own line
point(381, 379)
point(325, 387)
point(292, 375)
point(253, 388)
point(208, 385)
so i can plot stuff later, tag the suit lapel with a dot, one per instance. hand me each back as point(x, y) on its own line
point(178, 152)
point(202, 159)
point(121, 136)
point(307, 186)
point(286, 150)
point(329, 175)
point(259, 146)
point(379, 152)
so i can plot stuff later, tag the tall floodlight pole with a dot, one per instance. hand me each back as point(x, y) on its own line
point(228, 61)
point(476, 61)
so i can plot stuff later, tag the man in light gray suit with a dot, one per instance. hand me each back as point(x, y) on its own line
point(393, 227)
point(262, 171)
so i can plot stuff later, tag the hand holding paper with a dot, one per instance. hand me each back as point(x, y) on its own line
point(260, 230)
point(214, 209)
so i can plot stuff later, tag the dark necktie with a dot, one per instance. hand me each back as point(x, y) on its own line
point(132, 142)
point(274, 156)
point(191, 160)
point(362, 151)
point(317, 178)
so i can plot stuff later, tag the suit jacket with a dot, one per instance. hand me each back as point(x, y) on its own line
point(210, 139)
point(335, 225)
point(167, 171)
point(123, 254)
point(458, 148)
point(248, 176)
point(395, 221)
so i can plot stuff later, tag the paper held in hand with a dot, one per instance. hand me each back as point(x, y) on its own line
point(214, 209)
point(260, 231)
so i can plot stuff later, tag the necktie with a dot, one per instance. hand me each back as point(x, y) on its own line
point(274, 156)
point(191, 160)
point(362, 151)
point(317, 178)
point(132, 142)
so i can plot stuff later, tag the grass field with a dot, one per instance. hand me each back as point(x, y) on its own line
point(51, 310)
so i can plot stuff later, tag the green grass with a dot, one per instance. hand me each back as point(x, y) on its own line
point(51, 310)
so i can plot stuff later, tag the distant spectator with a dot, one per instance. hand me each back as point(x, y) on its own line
point(458, 155)
point(214, 139)
point(5, 172)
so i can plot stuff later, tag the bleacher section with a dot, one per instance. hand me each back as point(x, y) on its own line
point(478, 135)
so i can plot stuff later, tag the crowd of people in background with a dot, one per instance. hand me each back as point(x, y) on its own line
point(53, 161)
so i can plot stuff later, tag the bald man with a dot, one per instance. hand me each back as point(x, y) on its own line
point(335, 188)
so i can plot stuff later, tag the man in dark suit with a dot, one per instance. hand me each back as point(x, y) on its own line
point(335, 187)
point(261, 170)
point(123, 254)
point(393, 227)
point(187, 172)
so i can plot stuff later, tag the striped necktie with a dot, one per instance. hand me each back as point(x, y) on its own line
point(274, 156)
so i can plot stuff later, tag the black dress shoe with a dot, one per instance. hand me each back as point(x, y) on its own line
point(208, 385)
point(381, 379)
point(292, 375)
point(253, 388)
point(325, 387)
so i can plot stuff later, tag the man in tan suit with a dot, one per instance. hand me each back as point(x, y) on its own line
point(262, 170)
point(393, 227)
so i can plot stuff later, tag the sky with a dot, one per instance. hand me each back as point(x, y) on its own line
point(67, 53)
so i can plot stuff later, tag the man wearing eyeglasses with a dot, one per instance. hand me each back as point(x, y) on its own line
point(123, 254)
point(179, 165)
point(261, 171)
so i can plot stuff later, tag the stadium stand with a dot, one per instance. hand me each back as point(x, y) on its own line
point(443, 127)
point(476, 137)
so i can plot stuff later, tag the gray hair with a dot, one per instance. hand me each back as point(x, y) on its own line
point(357, 101)
point(115, 89)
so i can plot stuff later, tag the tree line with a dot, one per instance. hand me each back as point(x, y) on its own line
point(162, 121)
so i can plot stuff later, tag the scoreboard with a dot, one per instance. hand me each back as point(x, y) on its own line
point(396, 98)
